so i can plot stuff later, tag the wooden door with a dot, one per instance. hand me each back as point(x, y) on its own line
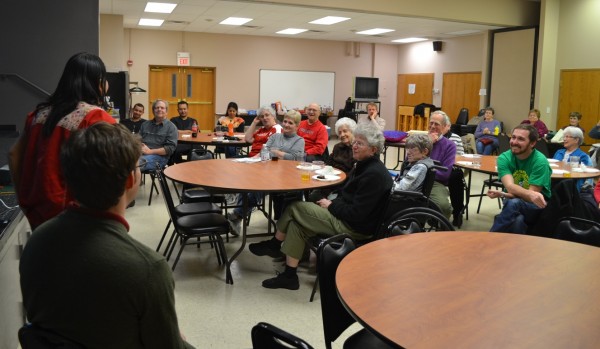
point(579, 91)
point(461, 90)
point(423, 89)
point(195, 85)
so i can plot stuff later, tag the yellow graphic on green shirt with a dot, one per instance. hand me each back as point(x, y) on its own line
point(521, 178)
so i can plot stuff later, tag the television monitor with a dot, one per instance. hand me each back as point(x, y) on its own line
point(366, 89)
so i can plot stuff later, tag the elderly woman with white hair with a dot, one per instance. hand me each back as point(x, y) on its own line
point(572, 139)
point(341, 156)
point(355, 211)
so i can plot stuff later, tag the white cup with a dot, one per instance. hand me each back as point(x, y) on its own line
point(574, 161)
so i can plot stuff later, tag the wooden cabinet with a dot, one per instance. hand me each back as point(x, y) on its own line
point(406, 121)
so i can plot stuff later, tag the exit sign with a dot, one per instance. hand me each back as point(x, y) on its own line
point(183, 59)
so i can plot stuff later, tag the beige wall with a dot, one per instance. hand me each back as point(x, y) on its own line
point(464, 54)
point(238, 59)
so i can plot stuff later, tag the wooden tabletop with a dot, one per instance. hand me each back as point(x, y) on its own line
point(475, 290)
point(265, 176)
point(488, 166)
point(205, 138)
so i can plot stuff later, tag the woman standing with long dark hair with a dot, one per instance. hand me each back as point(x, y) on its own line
point(34, 159)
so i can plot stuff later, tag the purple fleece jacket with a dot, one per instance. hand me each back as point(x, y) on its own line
point(444, 151)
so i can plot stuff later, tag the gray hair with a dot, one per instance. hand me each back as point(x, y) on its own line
point(574, 132)
point(421, 142)
point(268, 109)
point(161, 100)
point(445, 119)
point(293, 115)
point(372, 134)
point(351, 124)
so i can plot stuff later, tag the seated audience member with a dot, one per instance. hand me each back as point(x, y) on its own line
point(341, 157)
point(574, 120)
point(268, 125)
point(314, 133)
point(76, 103)
point(258, 138)
point(372, 117)
point(159, 137)
point(444, 151)
point(595, 131)
point(572, 139)
point(287, 145)
point(83, 276)
point(355, 211)
point(533, 119)
point(525, 174)
point(135, 123)
point(486, 134)
point(414, 169)
point(237, 122)
point(184, 124)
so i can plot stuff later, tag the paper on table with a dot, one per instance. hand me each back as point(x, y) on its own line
point(247, 160)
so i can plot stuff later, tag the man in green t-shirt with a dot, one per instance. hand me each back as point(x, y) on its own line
point(525, 174)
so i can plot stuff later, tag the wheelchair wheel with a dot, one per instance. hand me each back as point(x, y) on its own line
point(417, 219)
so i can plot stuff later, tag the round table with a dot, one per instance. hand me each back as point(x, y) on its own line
point(475, 290)
point(229, 175)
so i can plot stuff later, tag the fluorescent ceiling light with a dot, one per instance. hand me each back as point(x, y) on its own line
point(235, 21)
point(151, 22)
point(159, 7)
point(408, 40)
point(375, 31)
point(292, 31)
point(329, 20)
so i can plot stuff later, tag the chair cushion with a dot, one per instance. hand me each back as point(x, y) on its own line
point(203, 223)
point(365, 339)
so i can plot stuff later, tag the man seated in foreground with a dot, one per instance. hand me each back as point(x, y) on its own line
point(82, 276)
point(525, 174)
point(355, 211)
point(159, 137)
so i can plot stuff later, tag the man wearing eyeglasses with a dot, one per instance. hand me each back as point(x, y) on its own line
point(314, 133)
point(258, 138)
point(444, 151)
point(159, 137)
point(83, 277)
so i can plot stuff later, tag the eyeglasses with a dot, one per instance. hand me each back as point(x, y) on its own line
point(359, 144)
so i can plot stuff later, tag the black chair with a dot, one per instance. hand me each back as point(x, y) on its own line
point(267, 336)
point(578, 230)
point(461, 127)
point(336, 318)
point(210, 225)
point(153, 186)
point(542, 146)
point(34, 337)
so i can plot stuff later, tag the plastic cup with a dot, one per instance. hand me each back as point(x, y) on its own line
point(305, 175)
point(574, 161)
point(320, 164)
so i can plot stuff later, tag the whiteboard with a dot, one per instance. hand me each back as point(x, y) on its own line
point(296, 89)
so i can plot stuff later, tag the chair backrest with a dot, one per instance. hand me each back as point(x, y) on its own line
point(463, 116)
point(579, 230)
point(503, 143)
point(164, 187)
point(336, 318)
point(267, 336)
point(542, 147)
point(201, 154)
point(33, 337)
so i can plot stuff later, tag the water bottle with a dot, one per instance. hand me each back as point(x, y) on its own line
point(194, 129)
point(265, 155)
point(230, 129)
point(496, 130)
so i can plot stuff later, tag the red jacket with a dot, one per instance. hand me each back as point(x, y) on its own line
point(315, 137)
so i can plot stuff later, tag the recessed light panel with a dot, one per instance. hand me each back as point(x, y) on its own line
point(151, 22)
point(159, 7)
point(375, 31)
point(235, 21)
point(329, 20)
point(292, 31)
point(409, 40)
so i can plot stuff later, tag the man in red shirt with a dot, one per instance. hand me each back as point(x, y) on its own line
point(314, 133)
point(259, 137)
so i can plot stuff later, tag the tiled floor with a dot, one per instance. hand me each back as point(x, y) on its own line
point(213, 314)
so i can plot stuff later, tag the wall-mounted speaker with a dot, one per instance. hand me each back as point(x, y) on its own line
point(437, 46)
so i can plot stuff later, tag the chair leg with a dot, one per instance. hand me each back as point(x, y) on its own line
point(163, 235)
point(170, 245)
point(314, 290)
point(178, 254)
